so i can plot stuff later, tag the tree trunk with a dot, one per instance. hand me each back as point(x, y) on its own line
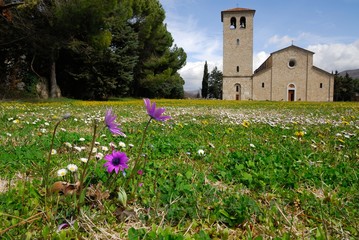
point(55, 91)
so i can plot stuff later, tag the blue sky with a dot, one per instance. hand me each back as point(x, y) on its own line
point(329, 28)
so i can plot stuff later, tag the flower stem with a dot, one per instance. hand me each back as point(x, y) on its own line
point(135, 167)
point(47, 166)
point(82, 178)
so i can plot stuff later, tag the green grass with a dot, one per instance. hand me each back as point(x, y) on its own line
point(257, 179)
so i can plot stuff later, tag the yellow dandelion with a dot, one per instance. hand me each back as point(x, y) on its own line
point(245, 124)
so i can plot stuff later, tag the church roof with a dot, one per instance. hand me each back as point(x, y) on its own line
point(266, 65)
point(292, 46)
point(233, 10)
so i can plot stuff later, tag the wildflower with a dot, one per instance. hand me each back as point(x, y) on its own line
point(116, 161)
point(200, 152)
point(131, 145)
point(245, 124)
point(53, 152)
point(94, 150)
point(140, 172)
point(84, 160)
point(104, 148)
point(16, 121)
point(99, 156)
point(153, 112)
point(299, 134)
point(61, 172)
point(72, 167)
point(111, 124)
point(252, 145)
point(82, 139)
point(79, 149)
point(122, 144)
point(67, 144)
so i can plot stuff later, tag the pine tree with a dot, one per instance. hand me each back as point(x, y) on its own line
point(205, 81)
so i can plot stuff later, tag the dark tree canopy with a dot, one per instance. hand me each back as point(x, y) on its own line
point(215, 83)
point(91, 49)
point(205, 81)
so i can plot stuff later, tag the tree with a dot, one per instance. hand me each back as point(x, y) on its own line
point(215, 83)
point(103, 47)
point(159, 61)
point(205, 81)
point(344, 87)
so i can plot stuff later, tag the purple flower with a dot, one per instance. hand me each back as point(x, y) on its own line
point(111, 124)
point(116, 161)
point(153, 112)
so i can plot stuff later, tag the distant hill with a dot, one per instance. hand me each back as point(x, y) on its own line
point(352, 73)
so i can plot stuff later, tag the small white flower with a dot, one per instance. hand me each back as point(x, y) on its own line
point(84, 160)
point(53, 152)
point(16, 121)
point(43, 130)
point(47, 124)
point(78, 148)
point(252, 145)
point(67, 144)
point(72, 167)
point(61, 172)
point(112, 145)
point(131, 145)
point(201, 152)
point(82, 139)
point(99, 156)
point(94, 150)
point(122, 144)
point(97, 143)
point(104, 148)
point(8, 134)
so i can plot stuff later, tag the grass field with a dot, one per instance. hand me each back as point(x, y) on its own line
point(215, 170)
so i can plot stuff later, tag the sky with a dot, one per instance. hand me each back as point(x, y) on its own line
point(329, 28)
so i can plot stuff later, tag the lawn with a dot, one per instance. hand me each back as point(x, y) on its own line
point(215, 170)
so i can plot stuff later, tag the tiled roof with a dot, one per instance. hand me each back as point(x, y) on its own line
point(237, 10)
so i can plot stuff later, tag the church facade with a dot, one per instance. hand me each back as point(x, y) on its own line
point(287, 74)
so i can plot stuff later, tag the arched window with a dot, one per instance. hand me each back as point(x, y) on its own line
point(233, 23)
point(237, 68)
point(242, 22)
point(237, 41)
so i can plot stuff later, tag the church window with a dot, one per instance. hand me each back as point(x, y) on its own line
point(233, 23)
point(237, 41)
point(237, 68)
point(321, 85)
point(242, 22)
point(238, 87)
point(262, 84)
point(292, 63)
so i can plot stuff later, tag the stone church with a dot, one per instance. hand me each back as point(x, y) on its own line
point(287, 74)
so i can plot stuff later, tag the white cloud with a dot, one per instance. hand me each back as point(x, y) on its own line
point(259, 58)
point(340, 57)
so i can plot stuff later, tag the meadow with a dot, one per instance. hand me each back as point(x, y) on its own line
point(215, 170)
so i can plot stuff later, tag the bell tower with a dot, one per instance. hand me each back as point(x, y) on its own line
point(237, 53)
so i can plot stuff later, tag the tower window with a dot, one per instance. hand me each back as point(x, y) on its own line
point(321, 85)
point(262, 84)
point(237, 41)
point(242, 22)
point(233, 23)
point(237, 68)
